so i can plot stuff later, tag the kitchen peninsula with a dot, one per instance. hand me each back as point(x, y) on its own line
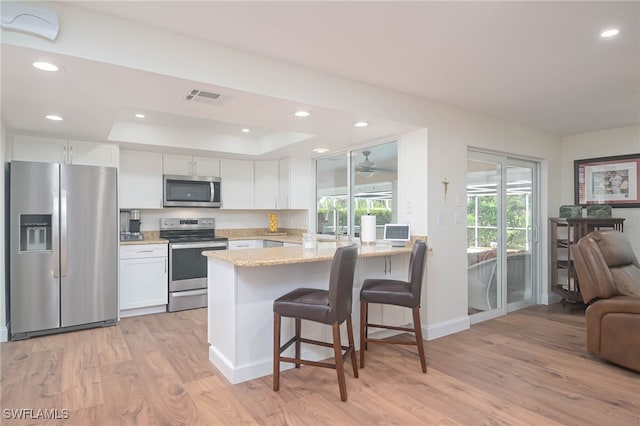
point(243, 285)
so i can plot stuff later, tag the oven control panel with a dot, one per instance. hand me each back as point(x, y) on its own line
point(181, 223)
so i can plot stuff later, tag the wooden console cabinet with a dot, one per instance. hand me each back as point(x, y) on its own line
point(564, 232)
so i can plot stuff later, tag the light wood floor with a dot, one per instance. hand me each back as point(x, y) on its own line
point(529, 367)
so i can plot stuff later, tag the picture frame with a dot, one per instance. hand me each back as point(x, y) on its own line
point(611, 180)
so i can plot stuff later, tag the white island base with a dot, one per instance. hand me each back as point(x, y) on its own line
point(240, 323)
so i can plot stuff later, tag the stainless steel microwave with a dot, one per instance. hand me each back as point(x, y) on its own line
point(191, 191)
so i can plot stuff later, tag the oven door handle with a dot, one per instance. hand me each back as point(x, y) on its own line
point(213, 246)
point(189, 293)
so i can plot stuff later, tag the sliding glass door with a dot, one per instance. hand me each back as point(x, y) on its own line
point(501, 241)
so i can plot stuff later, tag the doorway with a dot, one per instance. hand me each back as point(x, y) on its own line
point(502, 245)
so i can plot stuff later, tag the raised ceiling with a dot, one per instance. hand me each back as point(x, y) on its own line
point(539, 64)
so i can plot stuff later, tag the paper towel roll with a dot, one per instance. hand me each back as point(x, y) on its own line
point(368, 229)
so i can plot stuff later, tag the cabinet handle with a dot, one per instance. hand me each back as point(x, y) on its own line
point(70, 155)
point(165, 266)
point(389, 264)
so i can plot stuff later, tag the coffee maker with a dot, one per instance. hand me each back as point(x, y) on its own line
point(130, 225)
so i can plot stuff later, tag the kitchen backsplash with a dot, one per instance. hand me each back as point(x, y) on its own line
point(237, 219)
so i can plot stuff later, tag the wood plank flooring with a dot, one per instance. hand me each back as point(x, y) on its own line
point(528, 368)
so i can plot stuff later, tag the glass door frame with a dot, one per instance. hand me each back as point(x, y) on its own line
point(502, 162)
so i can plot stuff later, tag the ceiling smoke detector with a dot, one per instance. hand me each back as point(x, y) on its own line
point(203, 96)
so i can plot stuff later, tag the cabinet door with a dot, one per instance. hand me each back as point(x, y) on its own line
point(244, 244)
point(40, 149)
point(140, 183)
point(143, 282)
point(237, 184)
point(265, 194)
point(300, 181)
point(92, 154)
point(283, 183)
point(206, 166)
point(177, 164)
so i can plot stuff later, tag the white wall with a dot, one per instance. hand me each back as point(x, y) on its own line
point(412, 175)
point(451, 133)
point(620, 141)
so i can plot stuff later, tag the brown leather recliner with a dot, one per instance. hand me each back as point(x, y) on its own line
point(609, 276)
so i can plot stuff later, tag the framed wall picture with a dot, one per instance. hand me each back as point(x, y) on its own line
point(608, 180)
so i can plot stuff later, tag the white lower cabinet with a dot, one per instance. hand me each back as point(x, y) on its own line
point(143, 279)
point(244, 244)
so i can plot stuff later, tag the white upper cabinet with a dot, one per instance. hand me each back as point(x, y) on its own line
point(54, 150)
point(265, 187)
point(236, 184)
point(92, 154)
point(283, 183)
point(140, 183)
point(294, 184)
point(187, 165)
point(206, 166)
point(37, 148)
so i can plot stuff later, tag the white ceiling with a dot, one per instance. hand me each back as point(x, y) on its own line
point(540, 64)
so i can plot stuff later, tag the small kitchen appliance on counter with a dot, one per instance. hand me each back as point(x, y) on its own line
point(130, 225)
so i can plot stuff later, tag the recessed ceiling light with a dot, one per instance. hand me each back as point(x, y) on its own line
point(609, 33)
point(302, 113)
point(54, 117)
point(361, 124)
point(245, 130)
point(321, 150)
point(45, 66)
point(139, 115)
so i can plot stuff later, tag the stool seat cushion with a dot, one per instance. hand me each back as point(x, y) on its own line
point(306, 303)
point(390, 292)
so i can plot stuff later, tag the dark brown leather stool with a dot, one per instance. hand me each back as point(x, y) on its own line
point(330, 307)
point(399, 293)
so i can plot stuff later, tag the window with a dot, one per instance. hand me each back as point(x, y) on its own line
point(353, 184)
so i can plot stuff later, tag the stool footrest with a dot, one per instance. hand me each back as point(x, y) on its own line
point(309, 341)
point(396, 342)
point(308, 362)
point(391, 327)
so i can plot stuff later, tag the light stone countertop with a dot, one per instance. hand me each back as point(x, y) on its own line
point(150, 237)
point(296, 239)
point(289, 255)
point(143, 242)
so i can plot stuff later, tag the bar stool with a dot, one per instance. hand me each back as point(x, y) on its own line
point(330, 307)
point(399, 293)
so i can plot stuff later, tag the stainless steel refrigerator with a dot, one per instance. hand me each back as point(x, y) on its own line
point(63, 247)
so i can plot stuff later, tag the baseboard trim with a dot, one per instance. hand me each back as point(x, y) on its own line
point(446, 328)
point(4, 334)
point(243, 373)
point(143, 311)
point(550, 298)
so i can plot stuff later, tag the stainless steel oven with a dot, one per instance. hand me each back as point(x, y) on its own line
point(188, 238)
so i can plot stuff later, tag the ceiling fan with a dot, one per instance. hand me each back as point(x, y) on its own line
point(367, 168)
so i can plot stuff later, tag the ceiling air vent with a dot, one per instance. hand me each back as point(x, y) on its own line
point(202, 96)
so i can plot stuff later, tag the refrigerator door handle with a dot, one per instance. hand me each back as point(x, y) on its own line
point(63, 232)
point(56, 236)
